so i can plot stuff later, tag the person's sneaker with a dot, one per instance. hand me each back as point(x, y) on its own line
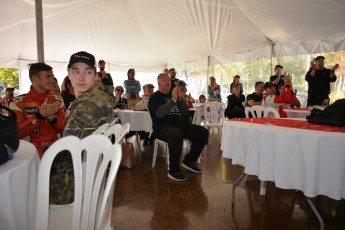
point(191, 167)
point(178, 176)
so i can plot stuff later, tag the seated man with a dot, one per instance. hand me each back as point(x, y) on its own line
point(92, 108)
point(277, 101)
point(296, 103)
point(40, 115)
point(167, 111)
point(256, 97)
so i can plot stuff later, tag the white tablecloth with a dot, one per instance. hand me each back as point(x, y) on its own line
point(310, 161)
point(139, 120)
point(18, 184)
point(295, 113)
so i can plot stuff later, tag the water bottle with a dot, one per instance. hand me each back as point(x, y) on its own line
point(9, 152)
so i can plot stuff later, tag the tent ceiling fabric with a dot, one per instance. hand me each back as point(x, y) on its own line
point(153, 33)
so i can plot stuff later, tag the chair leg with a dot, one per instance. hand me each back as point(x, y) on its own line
point(263, 187)
point(155, 150)
point(167, 151)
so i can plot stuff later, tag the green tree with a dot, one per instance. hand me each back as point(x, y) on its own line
point(10, 77)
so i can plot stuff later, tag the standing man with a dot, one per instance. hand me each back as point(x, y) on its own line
point(167, 112)
point(278, 78)
point(319, 79)
point(256, 97)
point(173, 79)
point(40, 115)
point(105, 77)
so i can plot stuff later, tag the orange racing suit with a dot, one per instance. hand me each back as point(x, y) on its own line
point(40, 131)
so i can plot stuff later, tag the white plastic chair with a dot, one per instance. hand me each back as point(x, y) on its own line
point(117, 131)
point(271, 112)
point(92, 185)
point(155, 150)
point(256, 111)
point(102, 128)
point(214, 116)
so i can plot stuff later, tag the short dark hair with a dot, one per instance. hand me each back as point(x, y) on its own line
point(171, 69)
point(258, 83)
point(202, 96)
point(36, 68)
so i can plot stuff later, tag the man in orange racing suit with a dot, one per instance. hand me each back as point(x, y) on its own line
point(40, 115)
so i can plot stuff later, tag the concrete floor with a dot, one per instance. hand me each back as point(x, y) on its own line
point(146, 199)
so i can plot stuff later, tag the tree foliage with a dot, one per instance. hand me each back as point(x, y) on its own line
point(9, 77)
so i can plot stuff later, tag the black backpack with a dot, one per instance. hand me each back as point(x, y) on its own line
point(333, 115)
point(9, 134)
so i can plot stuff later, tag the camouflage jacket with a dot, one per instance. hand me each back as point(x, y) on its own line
point(90, 110)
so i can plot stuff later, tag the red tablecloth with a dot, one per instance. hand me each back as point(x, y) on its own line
point(291, 124)
point(298, 109)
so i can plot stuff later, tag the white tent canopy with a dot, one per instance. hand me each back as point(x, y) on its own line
point(152, 34)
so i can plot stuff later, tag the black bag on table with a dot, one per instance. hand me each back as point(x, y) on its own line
point(9, 134)
point(333, 115)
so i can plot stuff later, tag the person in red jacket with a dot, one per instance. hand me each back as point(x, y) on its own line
point(40, 115)
point(277, 101)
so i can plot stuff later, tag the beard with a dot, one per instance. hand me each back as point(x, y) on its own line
point(102, 68)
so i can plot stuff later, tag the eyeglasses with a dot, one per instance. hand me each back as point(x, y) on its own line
point(119, 90)
point(213, 79)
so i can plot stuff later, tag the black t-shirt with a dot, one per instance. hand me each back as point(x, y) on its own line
point(254, 97)
point(106, 81)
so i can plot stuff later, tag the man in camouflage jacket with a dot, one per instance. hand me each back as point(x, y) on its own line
point(92, 108)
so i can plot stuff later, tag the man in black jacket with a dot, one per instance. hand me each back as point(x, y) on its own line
point(167, 111)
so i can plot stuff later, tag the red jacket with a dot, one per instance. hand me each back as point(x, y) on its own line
point(278, 100)
point(41, 133)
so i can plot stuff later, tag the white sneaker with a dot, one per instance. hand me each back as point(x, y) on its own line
point(141, 144)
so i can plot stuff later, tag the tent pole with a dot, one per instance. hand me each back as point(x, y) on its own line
point(208, 69)
point(271, 58)
point(39, 31)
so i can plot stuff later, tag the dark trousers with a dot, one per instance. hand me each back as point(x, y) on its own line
point(174, 136)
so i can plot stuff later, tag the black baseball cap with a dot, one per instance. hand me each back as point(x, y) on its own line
point(181, 83)
point(83, 57)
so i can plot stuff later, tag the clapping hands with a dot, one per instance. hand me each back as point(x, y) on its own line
point(287, 79)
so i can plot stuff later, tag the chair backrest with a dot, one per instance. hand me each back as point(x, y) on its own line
point(102, 128)
point(198, 116)
point(214, 113)
point(102, 162)
point(257, 111)
point(117, 132)
point(271, 112)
